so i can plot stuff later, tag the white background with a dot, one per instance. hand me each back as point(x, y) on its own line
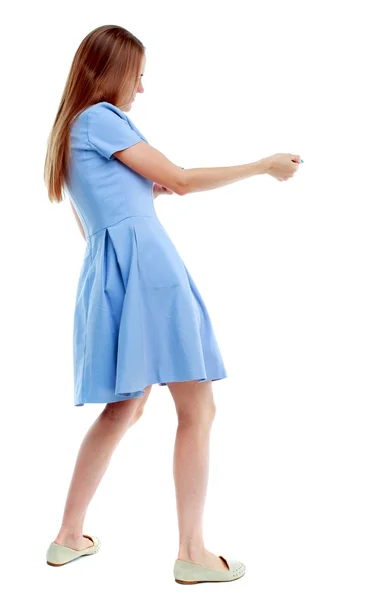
point(296, 277)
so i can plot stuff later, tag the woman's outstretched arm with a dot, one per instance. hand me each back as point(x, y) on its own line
point(152, 164)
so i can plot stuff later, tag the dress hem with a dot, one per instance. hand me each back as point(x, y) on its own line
point(141, 392)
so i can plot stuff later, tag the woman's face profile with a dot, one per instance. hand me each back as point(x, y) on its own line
point(139, 90)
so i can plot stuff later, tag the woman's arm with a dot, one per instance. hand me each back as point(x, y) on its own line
point(78, 220)
point(152, 164)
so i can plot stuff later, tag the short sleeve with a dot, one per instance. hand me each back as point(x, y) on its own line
point(108, 131)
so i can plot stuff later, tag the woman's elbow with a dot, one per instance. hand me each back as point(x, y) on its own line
point(182, 187)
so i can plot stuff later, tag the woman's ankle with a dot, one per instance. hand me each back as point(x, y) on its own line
point(69, 534)
point(191, 552)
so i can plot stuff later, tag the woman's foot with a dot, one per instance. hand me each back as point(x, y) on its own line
point(205, 559)
point(76, 544)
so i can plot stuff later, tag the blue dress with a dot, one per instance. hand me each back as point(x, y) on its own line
point(139, 318)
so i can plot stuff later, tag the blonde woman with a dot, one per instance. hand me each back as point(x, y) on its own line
point(139, 318)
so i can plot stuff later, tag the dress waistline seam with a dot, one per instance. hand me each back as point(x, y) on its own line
point(124, 219)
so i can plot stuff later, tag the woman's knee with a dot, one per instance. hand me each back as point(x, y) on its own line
point(194, 401)
point(127, 411)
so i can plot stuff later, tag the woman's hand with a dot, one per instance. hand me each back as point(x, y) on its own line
point(282, 166)
point(159, 189)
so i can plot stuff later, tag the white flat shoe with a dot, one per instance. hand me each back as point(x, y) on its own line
point(58, 555)
point(188, 572)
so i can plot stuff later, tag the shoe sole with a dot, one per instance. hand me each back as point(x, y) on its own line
point(208, 581)
point(67, 562)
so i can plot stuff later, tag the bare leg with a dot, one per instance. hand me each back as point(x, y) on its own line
point(196, 411)
point(92, 461)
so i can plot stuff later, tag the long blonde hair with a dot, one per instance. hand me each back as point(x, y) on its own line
point(106, 67)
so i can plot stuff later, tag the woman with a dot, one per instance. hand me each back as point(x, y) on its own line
point(139, 318)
